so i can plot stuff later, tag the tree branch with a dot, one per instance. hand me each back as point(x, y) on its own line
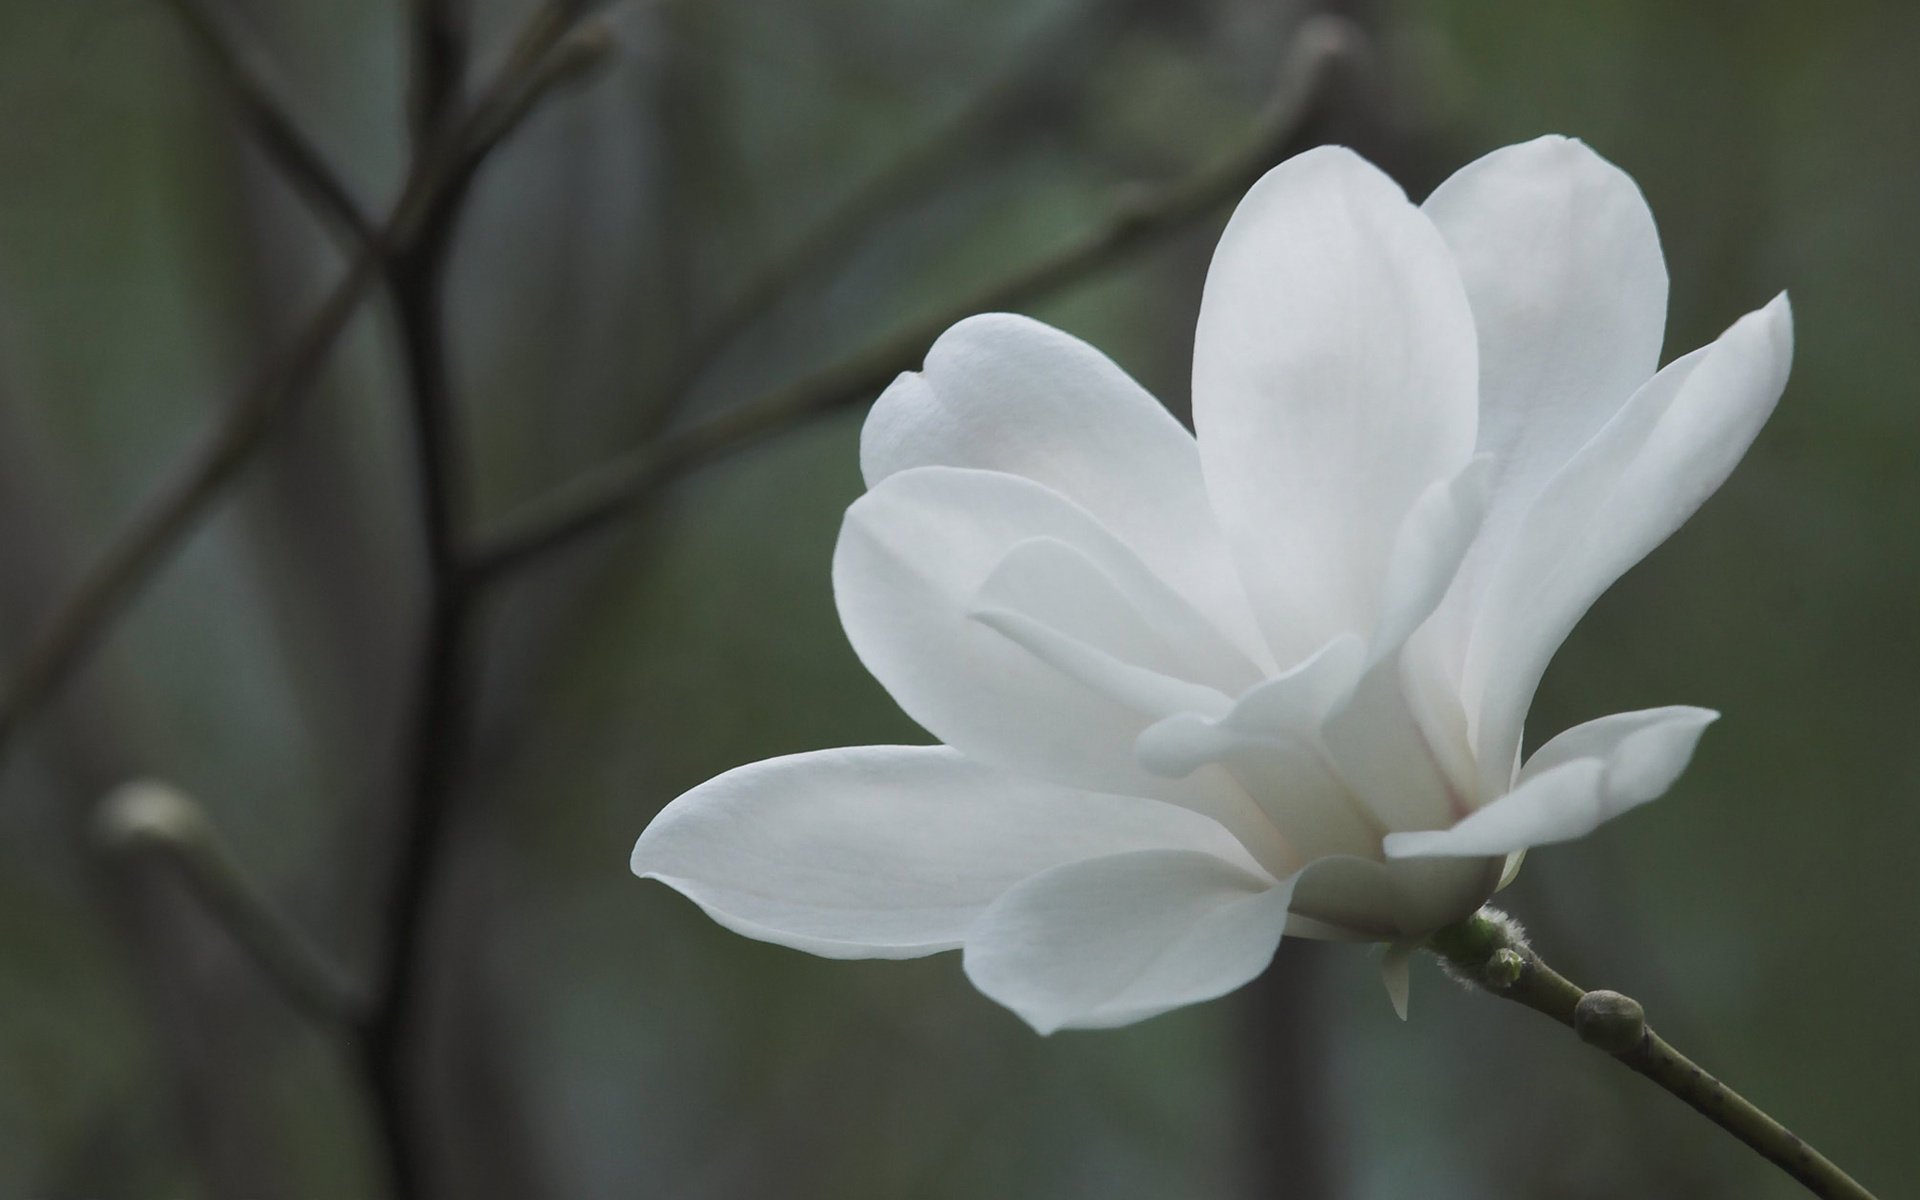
point(853, 218)
point(163, 520)
point(1489, 951)
point(154, 819)
point(597, 497)
point(238, 69)
point(432, 748)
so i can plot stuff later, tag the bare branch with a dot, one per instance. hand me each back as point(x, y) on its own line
point(155, 819)
point(929, 157)
point(159, 524)
point(238, 69)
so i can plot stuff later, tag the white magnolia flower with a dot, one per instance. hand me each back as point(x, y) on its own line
point(1198, 692)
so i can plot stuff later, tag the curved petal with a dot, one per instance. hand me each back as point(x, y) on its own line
point(889, 851)
point(1400, 742)
point(1109, 941)
point(1270, 743)
point(1391, 901)
point(1006, 393)
point(1292, 705)
point(1645, 750)
point(1427, 552)
point(1142, 689)
point(1583, 778)
point(1396, 972)
point(1144, 621)
point(1625, 492)
point(1334, 380)
point(1563, 269)
point(914, 556)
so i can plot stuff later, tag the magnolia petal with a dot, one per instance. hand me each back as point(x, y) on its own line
point(1427, 552)
point(1270, 744)
point(1334, 380)
point(913, 557)
point(1623, 494)
point(1645, 750)
point(1396, 972)
point(1563, 269)
point(1380, 745)
point(1401, 742)
point(889, 851)
point(1142, 621)
point(1575, 783)
point(1109, 941)
point(1395, 900)
point(1006, 393)
point(1140, 688)
point(1292, 705)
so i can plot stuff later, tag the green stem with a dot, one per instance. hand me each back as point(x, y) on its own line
point(1489, 951)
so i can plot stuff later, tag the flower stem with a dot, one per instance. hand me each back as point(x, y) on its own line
point(1489, 950)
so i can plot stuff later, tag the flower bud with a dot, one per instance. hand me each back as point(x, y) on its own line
point(1503, 969)
point(144, 813)
point(1610, 1021)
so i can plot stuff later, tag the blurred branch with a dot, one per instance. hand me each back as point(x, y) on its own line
point(240, 72)
point(438, 39)
point(546, 57)
point(151, 818)
point(550, 52)
point(930, 156)
point(196, 1017)
point(438, 719)
point(594, 499)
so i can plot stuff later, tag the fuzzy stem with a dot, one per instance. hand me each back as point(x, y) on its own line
point(1489, 951)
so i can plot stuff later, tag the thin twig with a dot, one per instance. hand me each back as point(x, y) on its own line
point(240, 72)
point(594, 499)
point(155, 819)
point(1489, 950)
point(159, 524)
point(930, 157)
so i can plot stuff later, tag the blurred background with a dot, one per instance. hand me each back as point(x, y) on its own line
point(850, 167)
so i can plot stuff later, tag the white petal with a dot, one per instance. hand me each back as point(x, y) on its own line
point(1563, 268)
point(888, 851)
point(1292, 705)
point(1401, 742)
point(1645, 751)
point(1140, 688)
point(913, 558)
point(1581, 779)
point(1334, 380)
point(1270, 744)
point(1427, 552)
point(1629, 488)
point(1381, 747)
point(1006, 393)
point(1114, 940)
point(1141, 621)
point(1395, 900)
point(1396, 972)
